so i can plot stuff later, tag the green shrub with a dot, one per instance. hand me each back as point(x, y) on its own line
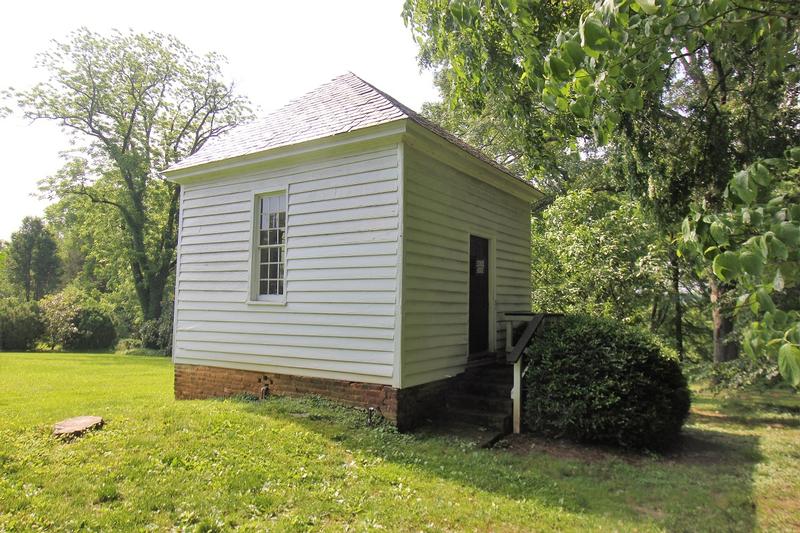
point(157, 334)
point(76, 322)
point(95, 330)
point(596, 380)
point(126, 345)
point(20, 325)
point(132, 346)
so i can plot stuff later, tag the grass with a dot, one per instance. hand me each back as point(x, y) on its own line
point(299, 465)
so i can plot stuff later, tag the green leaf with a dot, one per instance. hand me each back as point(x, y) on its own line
point(558, 68)
point(747, 344)
point(751, 263)
point(463, 12)
point(760, 174)
point(777, 249)
point(509, 5)
point(789, 364)
point(632, 100)
point(742, 299)
point(719, 232)
point(600, 134)
point(789, 233)
point(778, 283)
point(580, 107)
point(742, 187)
point(745, 216)
point(726, 266)
point(752, 216)
point(762, 245)
point(595, 36)
point(765, 301)
point(648, 6)
point(575, 52)
point(687, 231)
point(794, 334)
point(549, 98)
point(780, 318)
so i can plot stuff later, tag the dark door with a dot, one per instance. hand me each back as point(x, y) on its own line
point(478, 294)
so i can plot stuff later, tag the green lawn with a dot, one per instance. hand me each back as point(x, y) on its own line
point(304, 464)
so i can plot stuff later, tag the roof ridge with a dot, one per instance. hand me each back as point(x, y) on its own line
point(389, 98)
point(432, 126)
point(345, 103)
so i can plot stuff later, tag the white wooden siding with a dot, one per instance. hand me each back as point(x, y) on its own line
point(341, 271)
point(442, 207)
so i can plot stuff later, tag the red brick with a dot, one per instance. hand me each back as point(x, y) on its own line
point(403, 407)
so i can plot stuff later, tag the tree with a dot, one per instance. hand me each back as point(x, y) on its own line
point(754, 240)
point(559, 169)
point(587, 253)
point(134, 103)
point(487, 100)
point(95, 260)
point(696, 89)
point(5, 288)
point(684, 91)
point(32, 263)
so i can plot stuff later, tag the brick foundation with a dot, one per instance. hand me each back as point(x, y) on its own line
point(405, 408)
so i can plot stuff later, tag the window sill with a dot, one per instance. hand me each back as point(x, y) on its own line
point(281, 302)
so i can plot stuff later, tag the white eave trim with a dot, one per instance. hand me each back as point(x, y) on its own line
point(390, 132)
point(404, 129)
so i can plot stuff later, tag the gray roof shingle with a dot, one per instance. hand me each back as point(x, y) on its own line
point(344, 104)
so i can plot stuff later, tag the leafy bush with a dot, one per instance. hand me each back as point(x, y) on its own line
point(157, 334)
point(132, 346)
point(95, 330)
point(76, 322)
point(595, 380)
point(126, 345)
point(20, 325)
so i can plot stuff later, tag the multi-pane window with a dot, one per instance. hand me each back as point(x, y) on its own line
point(270, 245)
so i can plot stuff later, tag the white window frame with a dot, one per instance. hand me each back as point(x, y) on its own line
point(255, 250)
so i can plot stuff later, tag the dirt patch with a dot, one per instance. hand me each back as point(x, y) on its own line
point(478, 436)
point(694, 447)
point(563, 449)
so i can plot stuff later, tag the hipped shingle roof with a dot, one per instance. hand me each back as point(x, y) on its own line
point(344, 104)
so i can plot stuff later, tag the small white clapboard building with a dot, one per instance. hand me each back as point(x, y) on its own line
point(347, 247)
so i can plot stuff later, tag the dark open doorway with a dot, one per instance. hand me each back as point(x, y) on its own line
point(478, 294)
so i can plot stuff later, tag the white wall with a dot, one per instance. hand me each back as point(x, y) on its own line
point(342, 255)
point(443, 206)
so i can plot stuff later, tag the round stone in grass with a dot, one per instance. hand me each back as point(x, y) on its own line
point(74, 427)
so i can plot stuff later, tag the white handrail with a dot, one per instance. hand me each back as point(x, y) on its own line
point(516, 396)
point(516, 391)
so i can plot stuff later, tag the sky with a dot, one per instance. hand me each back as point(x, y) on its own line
point(276, 50)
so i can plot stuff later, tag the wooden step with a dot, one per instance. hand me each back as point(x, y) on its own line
point(480, 418)
point(493, 372)
point(497, 404)
point(487, 388)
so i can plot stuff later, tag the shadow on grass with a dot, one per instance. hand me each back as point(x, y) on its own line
point(703, 484)
point(746, 421)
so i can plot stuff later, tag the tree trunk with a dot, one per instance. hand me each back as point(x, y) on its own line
point(725, 347)
point(151, 273)
point(150, 292)
point(654, 315)
point(730, 346)
point(676, 294)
